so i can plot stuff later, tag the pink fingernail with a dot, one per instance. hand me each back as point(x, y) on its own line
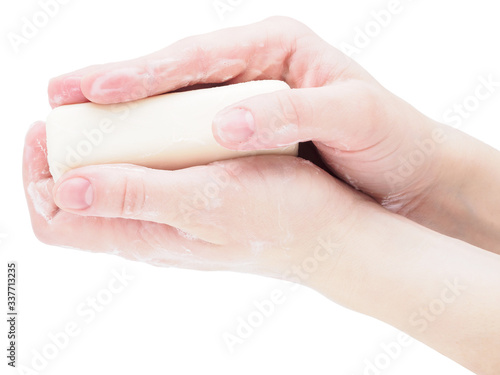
point(235, 125)
point(75, 194)
point(123, 84)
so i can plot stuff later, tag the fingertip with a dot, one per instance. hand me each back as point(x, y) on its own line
point(233, 128)
point(35, 165)
point(86, 83)
point(65, 90)
point(53, 92)
point(35, 133)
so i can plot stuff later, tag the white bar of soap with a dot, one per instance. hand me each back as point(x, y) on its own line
point(169, 131)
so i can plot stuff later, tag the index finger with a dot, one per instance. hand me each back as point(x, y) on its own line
point(258, 51)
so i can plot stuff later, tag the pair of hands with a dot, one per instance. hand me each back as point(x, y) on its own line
point(281, 216)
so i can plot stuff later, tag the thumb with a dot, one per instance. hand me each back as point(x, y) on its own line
point(330, 114)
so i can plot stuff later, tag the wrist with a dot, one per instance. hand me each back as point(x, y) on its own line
point(462, 202)
point(379, 253)
point(426, 285)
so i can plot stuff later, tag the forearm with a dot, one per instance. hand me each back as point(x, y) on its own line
point(464, 202)
point(442, 291)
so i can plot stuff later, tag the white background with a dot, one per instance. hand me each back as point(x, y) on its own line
point(172, 321)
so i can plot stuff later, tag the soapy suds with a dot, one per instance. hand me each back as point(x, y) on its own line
point(66, 93)
point(187, 236)
point(44, 149)
point(223, 65)
point(289, 128)
point(393, 202)
point(98, 90)
point(41, 202)
point(57, 99)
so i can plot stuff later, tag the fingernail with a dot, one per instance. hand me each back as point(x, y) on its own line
point(235, 125)
point(75, 194)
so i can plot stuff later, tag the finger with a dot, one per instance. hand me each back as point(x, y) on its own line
point(216, 57)
point(66, 89)
point(175, 198)
point(265, 50)
point(341, 115)
point(202, 201)
point(35, 166)
point(37, 180)
point(154, 243)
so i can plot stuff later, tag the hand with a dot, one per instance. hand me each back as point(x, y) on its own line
point(373, 140)
point(258, 214)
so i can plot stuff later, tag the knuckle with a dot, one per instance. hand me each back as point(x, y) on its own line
point(292, 109)
point(133, 198)
point(289, 111)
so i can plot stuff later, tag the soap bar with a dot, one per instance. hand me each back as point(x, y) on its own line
point(169, 131)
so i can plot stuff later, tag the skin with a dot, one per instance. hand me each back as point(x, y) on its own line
point(376, 261)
